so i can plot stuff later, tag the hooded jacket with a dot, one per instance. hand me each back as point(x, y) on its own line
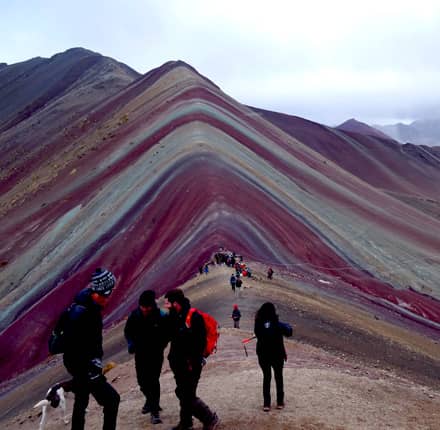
point(83, 333)
point(187, 343)
point(147, 335)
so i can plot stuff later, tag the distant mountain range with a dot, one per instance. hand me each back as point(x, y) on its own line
point(421, 132)
point(149, 175)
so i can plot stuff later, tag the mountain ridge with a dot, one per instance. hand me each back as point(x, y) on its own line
point(420, 132)
point(345, 362)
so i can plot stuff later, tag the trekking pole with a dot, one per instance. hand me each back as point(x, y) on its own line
point(245, 341)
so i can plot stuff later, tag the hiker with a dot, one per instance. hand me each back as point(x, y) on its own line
point(186, 361)
point(269, 273)
point(83, 351)
point(232, 281)
point(236, 315)
point(238, 284)
point(147, 335)
point(206, 269)
point(270, 351)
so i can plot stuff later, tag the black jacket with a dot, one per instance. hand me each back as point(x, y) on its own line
point(147, 336)
point(83, 334)
point(187, 343)
point(270, 343)
point(236, 314)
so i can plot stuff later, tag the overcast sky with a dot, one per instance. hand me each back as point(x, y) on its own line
point(328, 61)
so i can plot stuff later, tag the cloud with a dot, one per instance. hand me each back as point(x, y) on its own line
point(372, 57)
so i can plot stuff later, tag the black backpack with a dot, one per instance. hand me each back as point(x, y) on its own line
point(57, 339)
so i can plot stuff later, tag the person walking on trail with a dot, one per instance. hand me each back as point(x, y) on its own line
point(270, 273)
point(186, 361)
point(236, 315)
point(270, 351)
point(83, 351)
point(206, 269)
point(147, 335)
point(232, 281)
point(238, 284)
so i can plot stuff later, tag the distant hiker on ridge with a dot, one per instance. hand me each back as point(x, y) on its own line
point(83, 351)
point(232, 281)
point(236, 315)
point(270, 351)
point(147, 334)
point(238, 284)
point(270, 273)
point(188, 342)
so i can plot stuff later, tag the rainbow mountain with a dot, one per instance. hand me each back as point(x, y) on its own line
point(149, 175)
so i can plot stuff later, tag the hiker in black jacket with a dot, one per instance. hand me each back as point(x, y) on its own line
point(188, 340)
point(83, 351)
point(270, 351)
point(236, 315)
point(147, 336)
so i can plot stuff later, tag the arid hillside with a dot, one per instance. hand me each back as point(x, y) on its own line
point(150, 175)
point(350, 367)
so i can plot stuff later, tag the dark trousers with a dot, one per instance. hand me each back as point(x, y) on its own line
point(186, 391)
point(148, 373)
point(104, 394)
point(267, 364)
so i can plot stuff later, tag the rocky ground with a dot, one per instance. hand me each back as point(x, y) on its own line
point(349, 367)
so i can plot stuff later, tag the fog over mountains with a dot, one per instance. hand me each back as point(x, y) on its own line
point(150, 174)
point(421, 132)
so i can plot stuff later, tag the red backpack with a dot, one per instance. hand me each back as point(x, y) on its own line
point(212, 333)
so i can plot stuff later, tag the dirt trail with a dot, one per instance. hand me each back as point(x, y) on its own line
point(325, 390)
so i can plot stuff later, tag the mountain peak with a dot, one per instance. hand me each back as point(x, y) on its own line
point(354, 126)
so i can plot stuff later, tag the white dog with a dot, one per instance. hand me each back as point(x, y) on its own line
point(54, 397)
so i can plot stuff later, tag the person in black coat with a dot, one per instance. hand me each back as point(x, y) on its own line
point(188, 341)
point(83, 351)
point(236, 315)
point(270, 351)
point(147, 335)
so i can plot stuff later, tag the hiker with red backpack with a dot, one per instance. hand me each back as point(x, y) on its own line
point(189, 341)
point(271, 353)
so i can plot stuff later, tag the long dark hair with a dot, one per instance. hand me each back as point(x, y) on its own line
point(266, 312)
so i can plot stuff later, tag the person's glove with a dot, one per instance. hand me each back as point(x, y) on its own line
point(95, 369)
point(131, 348)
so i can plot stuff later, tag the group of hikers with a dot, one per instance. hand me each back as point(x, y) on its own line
point(148, 330)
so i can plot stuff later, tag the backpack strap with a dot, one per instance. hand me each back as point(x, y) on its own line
point(189, 316)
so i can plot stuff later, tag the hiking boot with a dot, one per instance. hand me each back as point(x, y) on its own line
point(213, 424)
point(146, 408)
point(155, 418)
point(180, 426)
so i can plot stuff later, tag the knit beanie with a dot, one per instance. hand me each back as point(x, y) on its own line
point(103, 281)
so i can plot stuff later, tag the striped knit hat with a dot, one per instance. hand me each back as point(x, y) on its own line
point(103, 282)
